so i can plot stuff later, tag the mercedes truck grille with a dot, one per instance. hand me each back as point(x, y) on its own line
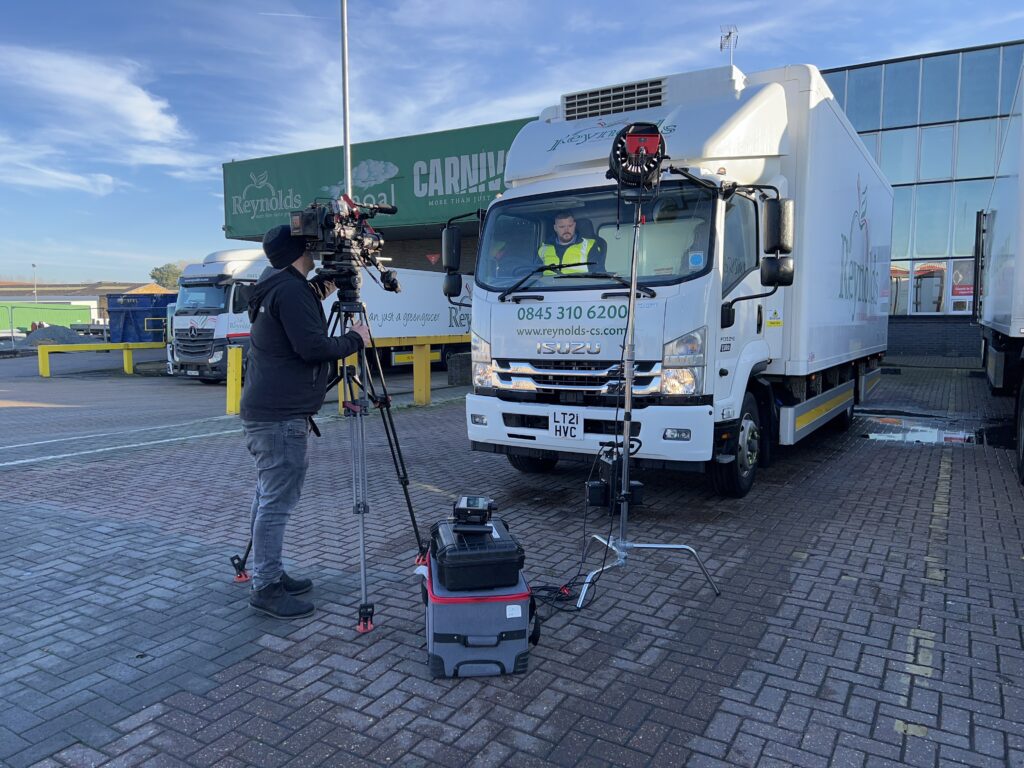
point(194, 342)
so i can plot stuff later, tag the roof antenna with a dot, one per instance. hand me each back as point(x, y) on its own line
point(730, 36)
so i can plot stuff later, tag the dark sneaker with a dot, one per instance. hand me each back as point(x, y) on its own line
point(274, 601)
point(296, 586)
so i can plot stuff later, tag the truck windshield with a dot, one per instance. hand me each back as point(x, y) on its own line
point(572, 228)
point(202, 299)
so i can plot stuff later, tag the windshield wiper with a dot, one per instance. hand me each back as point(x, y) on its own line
point(648, 292)
point(542, 268)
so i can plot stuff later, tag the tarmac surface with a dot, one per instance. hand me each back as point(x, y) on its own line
point(870, 612)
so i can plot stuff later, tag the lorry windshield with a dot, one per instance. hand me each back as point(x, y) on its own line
point(202, 299)
point(570, 228)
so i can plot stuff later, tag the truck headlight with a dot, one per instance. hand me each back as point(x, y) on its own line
point(483, 375)
point(481, 350)
point(687, 350)
point(217, 356)
point(683, 364)
point(483, 366)
point(682, 381)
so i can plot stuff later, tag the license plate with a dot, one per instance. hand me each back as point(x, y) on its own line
point(192, 373)
point(566, 425)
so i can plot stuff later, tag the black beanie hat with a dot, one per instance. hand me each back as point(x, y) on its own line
point(281, 248)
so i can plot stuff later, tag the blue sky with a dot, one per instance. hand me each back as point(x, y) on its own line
point(115, 116)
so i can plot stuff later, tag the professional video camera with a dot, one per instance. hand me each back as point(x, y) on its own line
point(338, 233)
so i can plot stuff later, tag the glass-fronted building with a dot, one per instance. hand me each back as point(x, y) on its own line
point(934, 123)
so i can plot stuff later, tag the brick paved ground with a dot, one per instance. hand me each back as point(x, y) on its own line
point(870, 612)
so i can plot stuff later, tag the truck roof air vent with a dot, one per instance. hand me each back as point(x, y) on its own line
point(617, 98)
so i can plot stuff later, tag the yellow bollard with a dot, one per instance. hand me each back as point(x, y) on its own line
point(421, 374)
point(234, 379)
point(129, 361)
point(44, 362)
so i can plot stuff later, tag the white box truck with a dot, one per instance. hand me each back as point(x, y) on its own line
point(999, 271)
point(212, 312)
point(725, 368)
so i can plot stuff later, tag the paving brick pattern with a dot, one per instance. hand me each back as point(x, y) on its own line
point(870, 611)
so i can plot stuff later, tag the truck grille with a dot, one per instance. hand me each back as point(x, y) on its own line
point(200, 345)
point(617, 98)
point(583, 376)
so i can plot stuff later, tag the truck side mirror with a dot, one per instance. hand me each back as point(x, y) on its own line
point(452, 287)
point(778, 225)
point(728, 315)
point(777, 271)
point(451, 250)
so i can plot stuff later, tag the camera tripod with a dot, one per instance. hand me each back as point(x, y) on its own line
point(357, 391)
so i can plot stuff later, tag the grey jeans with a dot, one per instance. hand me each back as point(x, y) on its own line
point(279, 448)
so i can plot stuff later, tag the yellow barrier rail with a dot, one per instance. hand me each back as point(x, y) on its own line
point(126, 348)
point(420, 366)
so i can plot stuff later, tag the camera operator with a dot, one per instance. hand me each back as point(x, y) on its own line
point(291, 358)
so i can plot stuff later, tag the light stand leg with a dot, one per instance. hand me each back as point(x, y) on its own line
point(623, 495)
point(621, 549)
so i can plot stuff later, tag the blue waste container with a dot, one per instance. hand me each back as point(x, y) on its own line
point(138, 316)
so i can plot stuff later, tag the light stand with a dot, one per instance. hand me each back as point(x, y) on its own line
point(635, 162)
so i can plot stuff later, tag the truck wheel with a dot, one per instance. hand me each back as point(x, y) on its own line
point(736, 478)
point(210, 381)
point(844, 420)
point(532, 465)
point(1020, 434)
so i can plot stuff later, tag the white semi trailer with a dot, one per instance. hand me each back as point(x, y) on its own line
point(999, 271)
point(725, 368)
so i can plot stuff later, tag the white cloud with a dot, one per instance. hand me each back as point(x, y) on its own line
point(33, 165)
point(103, 95)
point(76, 110)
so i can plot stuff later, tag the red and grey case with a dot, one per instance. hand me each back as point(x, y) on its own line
point(477, 632)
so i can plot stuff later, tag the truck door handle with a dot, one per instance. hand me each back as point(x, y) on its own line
point(760, 317)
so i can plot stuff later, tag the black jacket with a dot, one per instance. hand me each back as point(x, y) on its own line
point(291, 357)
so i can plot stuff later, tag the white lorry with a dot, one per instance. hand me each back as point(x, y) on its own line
point(725, 368)
point(999, 271)
point(212, 312)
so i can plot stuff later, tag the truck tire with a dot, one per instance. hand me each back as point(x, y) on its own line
point(736, 478)
point(532, 465)
point(1020, 434)
point(210, 381)
point(844, 420)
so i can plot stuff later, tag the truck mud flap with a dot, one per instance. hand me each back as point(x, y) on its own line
point(868, 381)
point(798, 421)
point(995, 367)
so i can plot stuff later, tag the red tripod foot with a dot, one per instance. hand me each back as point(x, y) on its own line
point(365, 618)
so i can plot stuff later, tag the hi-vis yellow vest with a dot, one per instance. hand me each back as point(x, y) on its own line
point(574, 254)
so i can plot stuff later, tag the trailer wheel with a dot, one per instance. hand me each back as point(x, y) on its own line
point(532, 465)
point(736, 478)
point(844, 420)
point(1020, 434)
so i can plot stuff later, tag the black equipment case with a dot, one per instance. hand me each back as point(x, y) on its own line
point(475, 556)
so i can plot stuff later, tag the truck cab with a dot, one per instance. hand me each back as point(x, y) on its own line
point(211, 312)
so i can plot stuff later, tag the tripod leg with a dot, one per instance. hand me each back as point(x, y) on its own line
point(384, 403)
point(241, 574)
point(360, 487)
